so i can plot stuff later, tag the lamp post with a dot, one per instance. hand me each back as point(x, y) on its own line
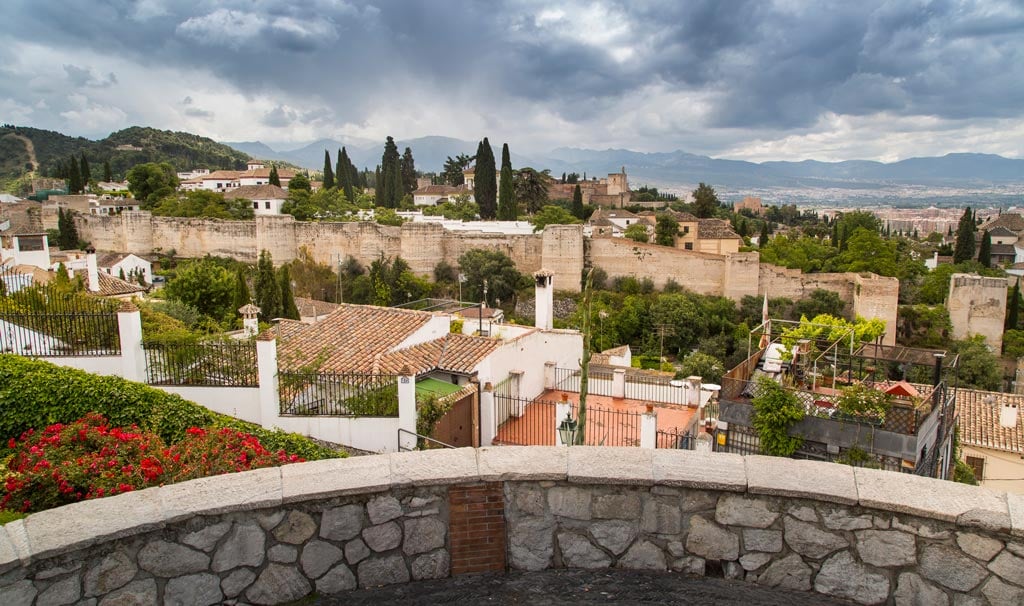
point(567, 430)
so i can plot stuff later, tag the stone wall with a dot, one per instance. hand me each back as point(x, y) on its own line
point(276, 535)
point(977, 306)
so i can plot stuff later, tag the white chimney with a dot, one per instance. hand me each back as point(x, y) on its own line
point(94, 274)
point(545, 304)
point(1008, 415)
point(250, 319)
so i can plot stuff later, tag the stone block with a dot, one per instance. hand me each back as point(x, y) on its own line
point(739, 510)
point(643, 555)
point(166, 559)
point(335, 477)
point(296, 528)
point(843, 577)
point(318, 557)
point(1015, 503)
point(578, 552)
point(886, 548)
point(342, 523)
point(86, 523)
point(753, 561)
point(570, 502)
point(1002, 594)
point(523, 463)
point(614, 535)
point(388, 570)
point(356, 551)
point(434, 467)
point(236, 582)
point(611, 465)
point(661, 516)
point(811, 541)
point(700, 470)
point(269, 519)
point(841, 518)
point(278, 584)
point(1009, 568)
point(62, 592)
point(383, 509)
point(18, 536)
point(784, 477)
point(616, 506)
point(915, 495)
point(762, 540)
point(690, 565)
point(111, 572)
point(137, 593)
point(8, 554)
point(710, 541)
point(193, 590)
point(531, 543)
point(423, 535)
point(929, 529)
point(244, 546)
point(339, 578)
point(803, 513)
point(383, 537)
point(228, 492)
point(977, 546)
point(433, 565)
point(527, 500)
point(912, 590)
point(206, 538)
point(788, 573)
point(21, 593)
point(283, 554)
point(950, 568)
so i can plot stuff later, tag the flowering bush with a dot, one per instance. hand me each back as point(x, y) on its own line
point(88, 459)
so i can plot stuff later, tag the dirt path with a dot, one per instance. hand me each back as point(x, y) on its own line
point(29, 147)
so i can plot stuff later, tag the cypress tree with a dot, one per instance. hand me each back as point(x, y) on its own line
point(1013, 307)
point(108, 176)
point(389, 183)
point(339, 171)
point(577, 202)
point(328, 171)
point(347, 176)
point(985, 252)
point(485, 186)
point(288, 308)
point(507, 206)
point(86, 173)
point(268, 291)
point(241, 297)
point(963, 250)
point(762, 241)
point(74, 177)
point(408, 172)
point(274, 178)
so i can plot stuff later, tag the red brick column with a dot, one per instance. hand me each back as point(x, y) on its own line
point(477, 527)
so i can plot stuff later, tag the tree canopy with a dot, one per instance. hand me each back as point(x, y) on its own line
point(705, 201)
point(150, 182)
point(552, 215)
point(499, 271)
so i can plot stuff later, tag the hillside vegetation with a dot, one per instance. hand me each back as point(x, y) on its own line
point(184, 151)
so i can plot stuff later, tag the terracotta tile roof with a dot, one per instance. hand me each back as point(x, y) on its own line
point(111, 286)
point(1012, 221)
point(436, 190)
point(1004, 250)
point(350, 339)
point(474, 313)
point(282, 173)
point(1000, 230)
point(715, 229)
point(109, 259)
point(313, 307)
point(979, 420)
point(257, 192)
point(607, 213)
point(221, 175)
point(456, 353)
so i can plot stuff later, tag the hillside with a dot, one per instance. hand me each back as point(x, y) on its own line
point(183, 150)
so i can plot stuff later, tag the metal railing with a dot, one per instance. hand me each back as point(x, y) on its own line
point(533, 423)
point(202, 363)
point(422, 442)
point(636, 387)
point(678, 439)
point(338, 394)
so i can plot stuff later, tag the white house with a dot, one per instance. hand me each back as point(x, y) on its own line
point(130, 265)
point(266, 199)
point(27, 248)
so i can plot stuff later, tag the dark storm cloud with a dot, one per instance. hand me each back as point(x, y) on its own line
point(764, 66)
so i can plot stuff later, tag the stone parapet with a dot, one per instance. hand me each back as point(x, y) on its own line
point(275, 535)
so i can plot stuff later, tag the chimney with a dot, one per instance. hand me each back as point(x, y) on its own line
point(937, 374)
point(545, 304)
point(250, 319)
point(1008, 415)
point(94, 274)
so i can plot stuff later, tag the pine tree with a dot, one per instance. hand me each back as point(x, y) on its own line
point(507, 206)
point(85, 172)
point(985, 252)
point(1013, 307)
point(762, 241)
point(274, 178)
point(577, 202)
point(74, 177)
point(328, 171)
point(288, 308)
point(347, 175)
point(963, 250)
point(241, 297)
point(268, 291)
point(108, 176)
point(408, 172)
point(485, 186)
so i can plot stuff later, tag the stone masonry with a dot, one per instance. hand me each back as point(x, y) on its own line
point(276, 535)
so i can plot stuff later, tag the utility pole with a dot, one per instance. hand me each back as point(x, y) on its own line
point(663, 329)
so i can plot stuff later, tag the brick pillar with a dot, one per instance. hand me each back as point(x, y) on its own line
point(477, 528)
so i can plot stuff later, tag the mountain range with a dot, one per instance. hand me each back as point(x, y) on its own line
point(679, 168)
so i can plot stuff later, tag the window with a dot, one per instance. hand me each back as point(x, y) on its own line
point(978, 465)
point(686, 229)
point(266, 205)
point(256, 205)
point(688, 245)
point(30, 243)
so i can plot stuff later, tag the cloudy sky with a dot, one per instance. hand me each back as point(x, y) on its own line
point(755, 80)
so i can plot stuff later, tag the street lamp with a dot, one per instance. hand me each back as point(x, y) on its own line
point(567, 429)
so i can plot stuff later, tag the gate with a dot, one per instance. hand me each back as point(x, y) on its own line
point(458, 426)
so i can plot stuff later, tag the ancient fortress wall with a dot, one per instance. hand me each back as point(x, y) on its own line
point(559, 248)
point(977, 306)
point(276, 535)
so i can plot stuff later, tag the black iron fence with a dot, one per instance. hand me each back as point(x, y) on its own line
point(338, 394)
point(675, 438)
point(202, 363)
point(534, 423)
point(57, 319)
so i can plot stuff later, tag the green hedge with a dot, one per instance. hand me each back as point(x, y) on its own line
point(34, 394)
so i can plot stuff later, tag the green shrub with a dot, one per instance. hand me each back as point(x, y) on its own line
point(36, 394)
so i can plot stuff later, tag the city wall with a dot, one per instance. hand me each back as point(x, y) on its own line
point(276, 535)
point(559, 248)
point(977, 306)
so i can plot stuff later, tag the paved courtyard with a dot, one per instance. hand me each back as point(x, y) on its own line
point(553, 587)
